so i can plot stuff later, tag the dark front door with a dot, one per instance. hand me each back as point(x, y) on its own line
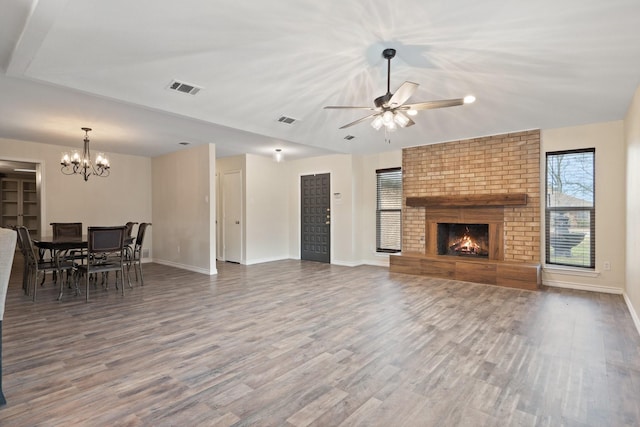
point(316, 218)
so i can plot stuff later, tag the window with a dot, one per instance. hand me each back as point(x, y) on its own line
point(389, 210)
point(570, 208)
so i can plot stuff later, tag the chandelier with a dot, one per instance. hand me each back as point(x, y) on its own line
point(81, 164)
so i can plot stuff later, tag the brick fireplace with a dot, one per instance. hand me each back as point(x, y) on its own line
point(491, 181)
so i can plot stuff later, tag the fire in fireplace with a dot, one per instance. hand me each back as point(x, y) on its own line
point(463, 239)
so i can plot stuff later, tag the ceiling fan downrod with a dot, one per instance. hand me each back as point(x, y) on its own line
point(383, 101)
point(388, 54)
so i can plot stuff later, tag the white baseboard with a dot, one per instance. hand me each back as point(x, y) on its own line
point(582, 287)
point(632, 310)
point(187, 267)
point(377, 263)
point(346, 263)
point(262, 260)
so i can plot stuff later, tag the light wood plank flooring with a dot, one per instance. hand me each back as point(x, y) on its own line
point(294, 343)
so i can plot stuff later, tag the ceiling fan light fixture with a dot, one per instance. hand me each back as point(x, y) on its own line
point(391, 126)
point(401, 119)
point(469, 99)
point(377, 123)
point(387, 117)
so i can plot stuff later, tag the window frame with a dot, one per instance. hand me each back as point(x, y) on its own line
point(549, 210)
point(379, 211)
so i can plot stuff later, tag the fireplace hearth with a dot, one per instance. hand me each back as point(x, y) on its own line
point(468, 240)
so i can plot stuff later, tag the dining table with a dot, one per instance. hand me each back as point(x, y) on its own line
point(62, 245)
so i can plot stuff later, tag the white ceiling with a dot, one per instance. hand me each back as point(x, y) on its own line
point(106, 65)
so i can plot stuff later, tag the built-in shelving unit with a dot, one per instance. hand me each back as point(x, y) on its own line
point(19, 204)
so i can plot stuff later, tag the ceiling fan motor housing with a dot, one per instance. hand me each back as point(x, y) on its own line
point(382, 101)
point(388, 53)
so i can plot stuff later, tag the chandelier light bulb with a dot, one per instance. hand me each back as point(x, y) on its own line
point(66, 160)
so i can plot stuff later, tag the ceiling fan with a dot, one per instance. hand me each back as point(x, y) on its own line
point(390, 109)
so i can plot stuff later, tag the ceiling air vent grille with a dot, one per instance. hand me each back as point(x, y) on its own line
point(349, 137)
point(184, 87)
point(287, 120)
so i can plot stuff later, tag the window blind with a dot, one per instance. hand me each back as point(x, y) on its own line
point(389, 210)
point(570, 208)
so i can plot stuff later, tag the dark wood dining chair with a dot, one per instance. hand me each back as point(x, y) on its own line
point(62, 230)
point(136, 255)
point(66, 229)
point(105, 252)
point(25, 266)
point(129, 228)
point(35, 264)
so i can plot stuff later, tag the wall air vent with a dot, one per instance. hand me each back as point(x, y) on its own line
point(287, 120)
point(349, 137)
point(183, 87)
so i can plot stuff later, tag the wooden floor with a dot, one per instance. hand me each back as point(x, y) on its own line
point(294, 343)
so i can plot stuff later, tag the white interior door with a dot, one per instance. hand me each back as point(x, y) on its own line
point(232, 215)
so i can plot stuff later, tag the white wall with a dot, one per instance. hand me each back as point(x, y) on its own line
point(123, 196)
point(267, 210)
point(184, 209)
point(632, 137)
point(367, 215)
point(608, 140)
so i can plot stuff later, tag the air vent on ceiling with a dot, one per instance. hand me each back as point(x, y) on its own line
point(349, 137)
point(287, 120)
point(183, 87)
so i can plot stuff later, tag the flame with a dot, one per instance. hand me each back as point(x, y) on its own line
point(466, 245)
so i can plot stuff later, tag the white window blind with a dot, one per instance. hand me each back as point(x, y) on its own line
point(389, 210)
point(570, 208)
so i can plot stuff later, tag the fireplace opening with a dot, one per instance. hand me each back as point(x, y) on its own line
point(470, 240)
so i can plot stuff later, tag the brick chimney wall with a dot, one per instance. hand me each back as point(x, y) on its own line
point(508, 163)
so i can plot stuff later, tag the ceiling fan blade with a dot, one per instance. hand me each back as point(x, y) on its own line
point(341, 107)
point(429, 105)
point(403, 93)
point(358, 121)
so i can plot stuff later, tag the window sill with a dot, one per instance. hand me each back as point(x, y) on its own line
point(570, 271)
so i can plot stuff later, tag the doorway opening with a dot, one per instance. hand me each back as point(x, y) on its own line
point(20, 196)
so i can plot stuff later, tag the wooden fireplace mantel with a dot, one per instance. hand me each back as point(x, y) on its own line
point(470, 200)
